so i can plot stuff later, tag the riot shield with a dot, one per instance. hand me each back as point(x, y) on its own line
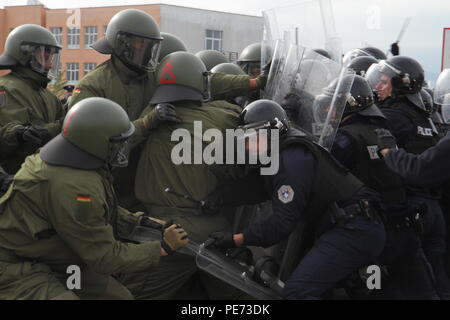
point(276, 69)
point(299, 80)
point(441, 92)
point(219, 265)
point(309, 24)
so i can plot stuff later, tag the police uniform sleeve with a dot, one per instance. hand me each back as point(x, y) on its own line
point(79, 213)
point(227, 87)
point(291, 188)
point(428, 168)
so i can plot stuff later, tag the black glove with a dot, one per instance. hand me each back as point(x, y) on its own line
point(261, 80)
point(291, 104)
point(212, 204)
point(33, 134)
point(163, 112)
point(5, 181)
point(385, 140)
point(395, 49)
point(221, 240)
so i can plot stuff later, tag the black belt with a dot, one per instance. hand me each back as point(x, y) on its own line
point(361, 208)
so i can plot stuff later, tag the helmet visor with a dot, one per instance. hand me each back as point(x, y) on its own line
point(379, 76)
point(44, 59)
point(120, 148)
point(140, 52)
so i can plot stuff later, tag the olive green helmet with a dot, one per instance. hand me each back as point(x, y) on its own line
point(134, 37)
point(171, 43)
point(211, 58)
point(95, 131)
point(251, 53)
point(32, 46)
point(181, 76)
point(228, 68)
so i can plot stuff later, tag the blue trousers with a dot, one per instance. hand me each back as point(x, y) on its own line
point(337, 253)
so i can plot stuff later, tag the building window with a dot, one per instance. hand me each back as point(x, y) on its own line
point(88, 67)
point(90, 36)
point(57, 32)
point(73, 38)
point(213, 40)
point(72, 72)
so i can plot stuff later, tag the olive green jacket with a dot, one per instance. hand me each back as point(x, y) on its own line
point(25, 100)
point(61, 216)
point(157, 170)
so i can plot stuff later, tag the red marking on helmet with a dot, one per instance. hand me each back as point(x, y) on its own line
point(168, 71)
point(67, 124)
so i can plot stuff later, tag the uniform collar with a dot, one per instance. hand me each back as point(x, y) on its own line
point(125, 74)
point(32, 77)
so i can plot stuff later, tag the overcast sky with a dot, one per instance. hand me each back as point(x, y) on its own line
point(375, 22)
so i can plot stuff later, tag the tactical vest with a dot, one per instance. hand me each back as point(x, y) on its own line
point(332, 181)
point(332, 184)
point(370, 168)
point(424, 134)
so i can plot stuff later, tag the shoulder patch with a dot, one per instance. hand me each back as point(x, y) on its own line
point(84, 198)
point(77, 90)
point(2, 98)
point(286, 194)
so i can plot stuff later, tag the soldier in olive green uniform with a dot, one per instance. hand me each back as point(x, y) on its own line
point(62, 211)
point(133, 39)
point(29, 113)
point(185, 87)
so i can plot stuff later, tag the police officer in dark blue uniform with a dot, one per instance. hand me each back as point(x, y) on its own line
point(356, 148)
point(397, 82)
point(308, 183)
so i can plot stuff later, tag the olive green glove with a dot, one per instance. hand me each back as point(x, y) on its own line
point(173, 238)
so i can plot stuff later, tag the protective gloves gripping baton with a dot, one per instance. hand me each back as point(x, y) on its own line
point(173, 237)
point(385, 141)
point(163, 112)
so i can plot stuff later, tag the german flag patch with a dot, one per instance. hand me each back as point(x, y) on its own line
point(84, 198)
point(77, 90)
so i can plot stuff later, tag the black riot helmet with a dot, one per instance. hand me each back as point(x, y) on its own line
point(264, 114)
point(363, 52)
point(323, 52)
point(375, 52)
point(427, 101)
point(361, 100)
point(362, 64)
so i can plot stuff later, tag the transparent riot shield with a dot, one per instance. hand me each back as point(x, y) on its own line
point(220, 266)
point(276, 69)
point(441, 91)
point(310, 24)
point(299, 80)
